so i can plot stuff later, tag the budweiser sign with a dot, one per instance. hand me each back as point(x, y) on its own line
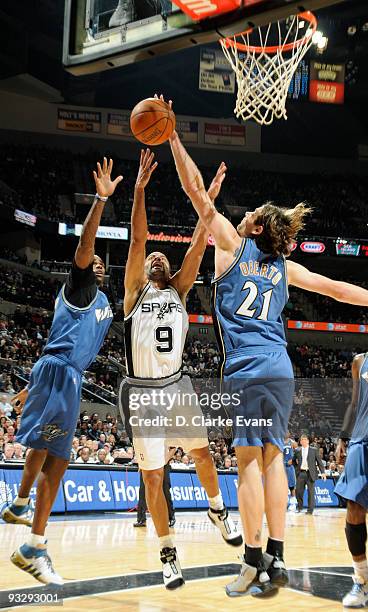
point(172, 238)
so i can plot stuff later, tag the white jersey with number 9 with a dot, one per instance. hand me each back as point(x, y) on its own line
point(155, 333)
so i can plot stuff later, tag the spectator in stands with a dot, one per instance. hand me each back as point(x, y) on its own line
point(101, 457)
point(75, 448)
point(8, 452)
point(18, 452)
point(84, 456)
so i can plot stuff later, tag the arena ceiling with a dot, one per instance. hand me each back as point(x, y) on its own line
point(32, 44)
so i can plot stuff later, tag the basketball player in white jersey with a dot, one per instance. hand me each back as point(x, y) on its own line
point(156, 325)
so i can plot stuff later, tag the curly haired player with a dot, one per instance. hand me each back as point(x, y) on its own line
point(250, 290)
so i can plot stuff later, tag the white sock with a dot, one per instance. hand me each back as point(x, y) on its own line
point(361, 569)
point(216, 503)
point(166, 542)
point(21, 501)
point(35, 540)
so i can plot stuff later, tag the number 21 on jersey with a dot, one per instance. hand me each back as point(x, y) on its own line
point(245, 309)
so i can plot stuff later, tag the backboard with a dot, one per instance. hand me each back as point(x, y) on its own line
point(104, 34)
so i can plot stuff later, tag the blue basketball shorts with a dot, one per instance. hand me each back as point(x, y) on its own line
point(51, 411)
point(290, 473)
point(353, 482)
point(262, 388)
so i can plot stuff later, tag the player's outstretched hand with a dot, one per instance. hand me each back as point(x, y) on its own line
point(215, 187)
point(105, 186)
point(170, 103)
point(19, 400)
point(160, 97)
point(146, 168)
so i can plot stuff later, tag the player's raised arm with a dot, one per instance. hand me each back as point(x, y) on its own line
point(224, 233)
point(105, 187)
point(134, 271)
point(184, 279)
point(301, 277)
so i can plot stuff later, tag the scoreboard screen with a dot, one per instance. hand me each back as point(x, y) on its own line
point(299, 86)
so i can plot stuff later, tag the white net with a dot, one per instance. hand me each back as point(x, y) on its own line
point(264, 61)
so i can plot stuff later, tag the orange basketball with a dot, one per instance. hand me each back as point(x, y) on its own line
point(152, 121)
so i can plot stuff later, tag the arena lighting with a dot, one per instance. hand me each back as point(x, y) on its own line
point(322, 43)
point(352, 30)
point(317, 37)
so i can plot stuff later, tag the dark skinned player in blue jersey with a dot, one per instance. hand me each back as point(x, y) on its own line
point(52, 400)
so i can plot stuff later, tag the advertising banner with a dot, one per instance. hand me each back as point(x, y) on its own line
point(327, 83)
point(215, 72)
point(353, 328)
point(225, 134)
point(203, 319)
point(104, 231)
point(187, 130)
point(172, 238)
point(323, 494)
point(232, 486)
point(118, 124)
point(125, 486)
point(88, 490)
point(73, 120)
point(183, 493)
point(24, 217)
point(208, 8)
point(347, 248)
point(9, 486)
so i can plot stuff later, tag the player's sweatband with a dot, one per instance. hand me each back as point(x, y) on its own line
point(103, 199)
point(356, 536)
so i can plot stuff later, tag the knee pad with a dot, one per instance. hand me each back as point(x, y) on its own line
point(356, 536)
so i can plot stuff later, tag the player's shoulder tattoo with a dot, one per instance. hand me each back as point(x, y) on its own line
point(236, 252)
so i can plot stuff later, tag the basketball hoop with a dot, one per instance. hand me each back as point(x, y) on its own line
point(264, 70)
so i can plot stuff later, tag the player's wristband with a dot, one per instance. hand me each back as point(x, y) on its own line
point(344, 436)
point(103, 199)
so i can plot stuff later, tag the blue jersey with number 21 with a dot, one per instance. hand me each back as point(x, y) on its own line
point(249, 298)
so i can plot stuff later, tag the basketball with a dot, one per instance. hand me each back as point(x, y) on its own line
point(152, 121)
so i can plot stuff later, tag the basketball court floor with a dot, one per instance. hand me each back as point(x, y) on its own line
point(110, 565)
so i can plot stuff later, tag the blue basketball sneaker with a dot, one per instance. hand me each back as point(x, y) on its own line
point(21, 515)
point(358, 596)
point(36, 561)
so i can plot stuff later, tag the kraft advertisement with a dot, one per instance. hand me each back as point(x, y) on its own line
point(73, 120)
point(327, 83)
point(93, 489)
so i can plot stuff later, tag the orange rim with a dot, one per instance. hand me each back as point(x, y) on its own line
point(308, 16)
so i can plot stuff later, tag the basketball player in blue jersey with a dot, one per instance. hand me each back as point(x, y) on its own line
point(155, 328)
point(353, 482)
point(250, 292)
point(52, 400)
point(288, 452)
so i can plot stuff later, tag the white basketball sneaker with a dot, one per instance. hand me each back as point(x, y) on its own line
point(20, 515)
point(223, 521)
point(251, 581)
point(36, 561)
point(358, 596)
point(173, 577)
